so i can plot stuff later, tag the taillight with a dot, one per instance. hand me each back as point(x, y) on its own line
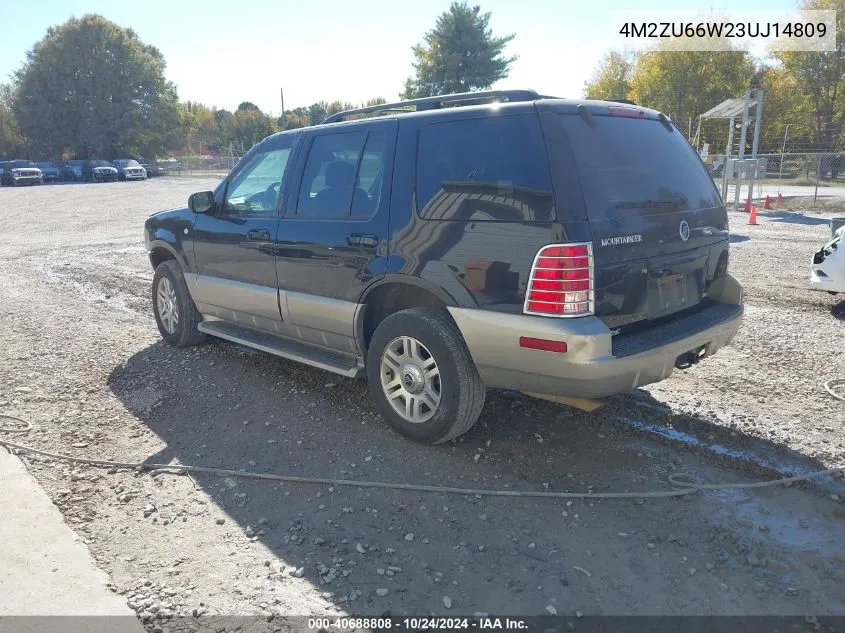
point(561, 282)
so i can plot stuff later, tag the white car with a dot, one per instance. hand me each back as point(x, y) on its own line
point(828, 272)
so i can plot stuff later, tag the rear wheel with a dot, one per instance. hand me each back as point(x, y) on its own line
point(176, 315)
point(422, 378)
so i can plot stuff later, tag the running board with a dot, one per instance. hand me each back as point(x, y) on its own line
point(291, 350)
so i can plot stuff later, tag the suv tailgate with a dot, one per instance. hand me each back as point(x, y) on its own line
point(659, 228)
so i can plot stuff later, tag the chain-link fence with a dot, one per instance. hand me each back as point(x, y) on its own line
point(193, 165)
point(805, 181)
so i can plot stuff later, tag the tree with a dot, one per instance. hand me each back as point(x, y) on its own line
point(92, 88)
point(11, 139)
point(611, 79)
point(459, 54)
point(685, 84)
point(247, 105)
point(785, 103)
point(250, 126)
point(821, 76)
point(198, 124)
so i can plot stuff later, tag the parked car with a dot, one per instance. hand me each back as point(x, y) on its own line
point(828, 267)
point(129, 169)
point(169, 164)
point(49, 172)
point(2, 166)
point(147, 167)
point(21, 172)
point(71, 170)
point(566, 247)
point(98, 171)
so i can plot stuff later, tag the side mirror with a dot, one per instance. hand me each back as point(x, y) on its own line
point(201, 202)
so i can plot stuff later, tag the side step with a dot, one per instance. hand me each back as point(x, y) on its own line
point(291, 350)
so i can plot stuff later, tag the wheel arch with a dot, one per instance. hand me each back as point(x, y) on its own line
point(161, 251)
point(391, 294)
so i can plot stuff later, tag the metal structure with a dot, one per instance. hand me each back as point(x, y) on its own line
point(730, 109)
point(440, 101)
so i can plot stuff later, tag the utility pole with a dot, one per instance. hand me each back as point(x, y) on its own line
point(282, 117)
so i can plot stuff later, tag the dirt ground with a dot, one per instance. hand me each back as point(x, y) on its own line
point(80, 357)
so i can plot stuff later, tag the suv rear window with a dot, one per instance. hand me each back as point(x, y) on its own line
point(626, 163)
point(493, 168)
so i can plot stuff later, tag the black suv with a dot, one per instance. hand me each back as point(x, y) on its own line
point(98, 171)
point(566, 247)
point(129, 169)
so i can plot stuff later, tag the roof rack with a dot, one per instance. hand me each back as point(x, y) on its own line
point(437, 102)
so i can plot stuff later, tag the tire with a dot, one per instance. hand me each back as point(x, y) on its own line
point(461, 391)
point(183, 333)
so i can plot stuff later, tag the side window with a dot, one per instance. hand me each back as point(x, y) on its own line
point(331, 180)
point(493, 168)
point(255, 190)
point(368, 184)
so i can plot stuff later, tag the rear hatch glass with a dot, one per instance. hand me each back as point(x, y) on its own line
point(658, 225)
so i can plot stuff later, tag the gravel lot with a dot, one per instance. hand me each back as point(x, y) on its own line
point(80, 358)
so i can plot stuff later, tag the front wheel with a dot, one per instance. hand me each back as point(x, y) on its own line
point(422, 377)
point(175, 313)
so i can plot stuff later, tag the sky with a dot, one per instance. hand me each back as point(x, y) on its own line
point(223, 53)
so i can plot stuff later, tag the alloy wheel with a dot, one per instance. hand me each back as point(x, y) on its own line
point(168, 309)
point(410, 379)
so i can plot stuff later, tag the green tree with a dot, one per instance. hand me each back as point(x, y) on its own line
point(198, 124)
point(459, 54)
point(11, 139)
point(251, 126)
point(785, 103)
point(90, 87)
point(611, 79)
point(247, 105)
point(821, 77)
point(685, 84)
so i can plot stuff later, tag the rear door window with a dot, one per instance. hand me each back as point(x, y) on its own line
point(627, 164)
point(328, 182)
point(485, 169)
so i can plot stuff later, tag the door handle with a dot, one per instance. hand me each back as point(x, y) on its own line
point(258, 235)
point(362, 239)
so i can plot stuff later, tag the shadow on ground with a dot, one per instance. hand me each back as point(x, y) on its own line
point(220, 405)
point(735, 239)
point(795, 218)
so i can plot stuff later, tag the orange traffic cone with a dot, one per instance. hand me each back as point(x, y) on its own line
point(768, 203)
point(780, 198)
point(752, 219)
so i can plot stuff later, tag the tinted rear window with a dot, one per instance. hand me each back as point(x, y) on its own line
point(626, 164)
point(493, 168)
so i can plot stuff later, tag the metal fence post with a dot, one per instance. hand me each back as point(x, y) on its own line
point(818, 177)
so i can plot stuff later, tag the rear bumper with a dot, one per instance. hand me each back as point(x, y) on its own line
point(594, 365)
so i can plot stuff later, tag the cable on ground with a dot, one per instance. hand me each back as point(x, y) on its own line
point(831, 385)
point(687, 483)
